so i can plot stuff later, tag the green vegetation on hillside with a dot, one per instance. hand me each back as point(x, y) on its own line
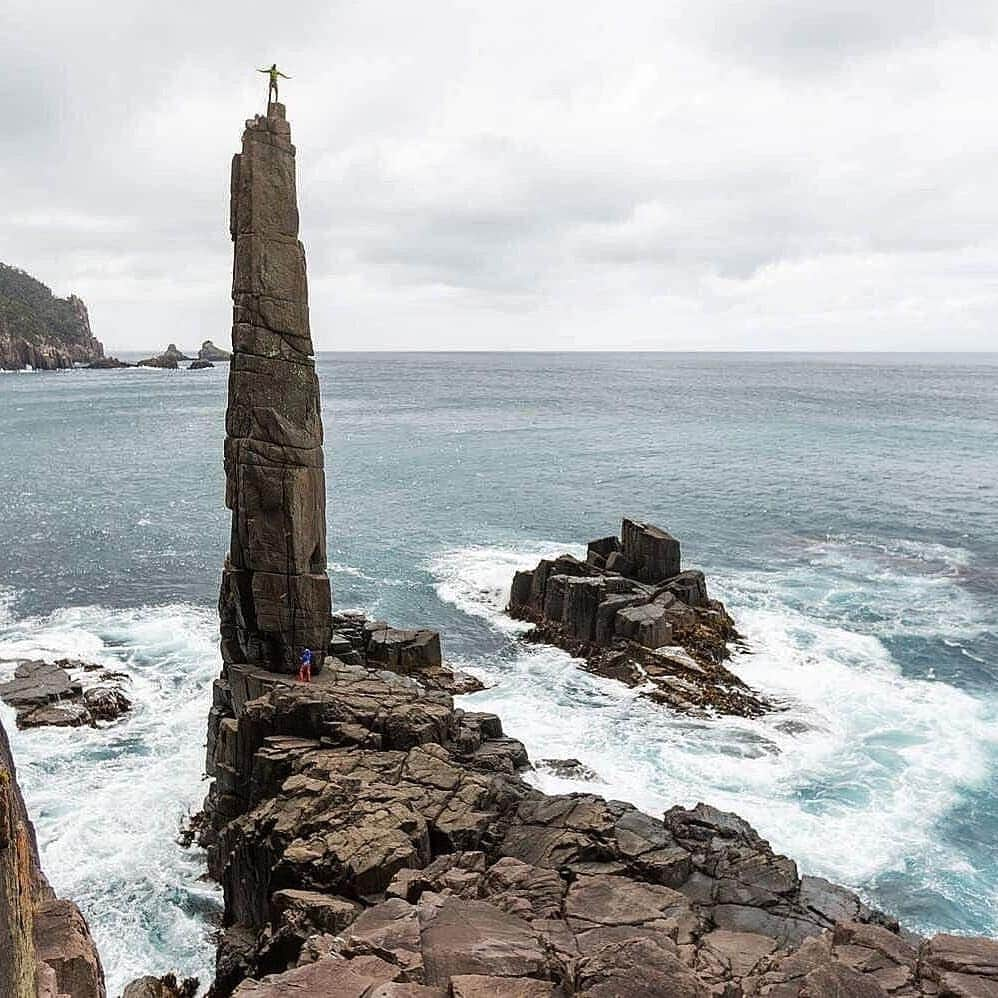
point(31, 312)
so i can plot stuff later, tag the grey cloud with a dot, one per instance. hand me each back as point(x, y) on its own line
point(737, 174)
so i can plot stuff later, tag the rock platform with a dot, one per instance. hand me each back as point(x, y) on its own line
point(372, 839)
point(631, 614)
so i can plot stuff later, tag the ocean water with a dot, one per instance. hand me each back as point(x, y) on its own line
point(844, 507)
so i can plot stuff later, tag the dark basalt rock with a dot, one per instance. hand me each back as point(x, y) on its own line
point(199, 365)
point(107, 364)
point(372, 838)
point(161, 987)
point(275, 597)
point(631, 614)
point(46, 694)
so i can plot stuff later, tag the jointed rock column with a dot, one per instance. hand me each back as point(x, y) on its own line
point(275, 596)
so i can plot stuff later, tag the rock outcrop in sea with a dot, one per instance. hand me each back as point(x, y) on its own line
point(40, 331)
point(211, 352)
point(373, 840)
point(46, 950)
point(633, 614)
point(67, 694)
point(275, 598)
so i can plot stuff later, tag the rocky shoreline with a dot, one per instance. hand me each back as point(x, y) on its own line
point(632, 614)
point(374, 840)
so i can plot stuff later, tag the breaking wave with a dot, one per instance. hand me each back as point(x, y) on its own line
point(852, 779)
point(108, 803)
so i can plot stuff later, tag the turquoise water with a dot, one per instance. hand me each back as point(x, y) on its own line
point(845, 507)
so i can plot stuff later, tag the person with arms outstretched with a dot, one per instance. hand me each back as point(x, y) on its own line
point(273, 73)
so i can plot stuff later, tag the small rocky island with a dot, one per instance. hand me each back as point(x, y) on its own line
point(632, 614)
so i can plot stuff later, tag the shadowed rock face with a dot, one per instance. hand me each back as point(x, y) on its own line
point(275, 592)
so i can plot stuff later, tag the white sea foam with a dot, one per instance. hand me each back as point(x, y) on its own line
point(851, 779)
point(476, 579)
point(108, 803)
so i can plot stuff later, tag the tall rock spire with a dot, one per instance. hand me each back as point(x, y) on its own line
point(275, 597)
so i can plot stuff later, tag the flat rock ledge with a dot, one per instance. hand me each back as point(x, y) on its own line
point(68, 693)
point(632, 614)
point(375, 841)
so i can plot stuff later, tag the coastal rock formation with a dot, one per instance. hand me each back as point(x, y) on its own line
point(199, 365)
point(107, 364)
point(379, 841)
point(211, 352)
point(161, 987)
point(66, 693)
point(275, 597)
point(169, 359)
point(45, 945)
point(356, 640)
point(160, 361)
point(40, 331)
point(633, 614)
point(374, 840)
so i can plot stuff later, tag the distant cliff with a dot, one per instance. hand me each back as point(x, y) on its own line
point(39, 330)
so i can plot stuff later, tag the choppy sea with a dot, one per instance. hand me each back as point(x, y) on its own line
point(845, 507)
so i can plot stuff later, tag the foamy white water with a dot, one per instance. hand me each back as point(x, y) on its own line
point(850, 780)
point(108, 803)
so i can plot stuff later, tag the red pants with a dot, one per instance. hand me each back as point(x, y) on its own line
point(305, 672)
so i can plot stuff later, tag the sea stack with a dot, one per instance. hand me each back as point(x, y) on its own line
point(275, 597)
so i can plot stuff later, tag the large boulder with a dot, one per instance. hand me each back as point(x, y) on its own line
point(653, 553)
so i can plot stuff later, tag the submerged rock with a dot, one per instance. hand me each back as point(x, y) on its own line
point(161, 987)
point(107, 364)
point(632, 615)
point(568, 769)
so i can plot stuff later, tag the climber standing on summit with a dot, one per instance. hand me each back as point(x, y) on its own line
point(273, 73)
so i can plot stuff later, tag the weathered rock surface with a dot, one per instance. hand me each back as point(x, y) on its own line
point(372, 838)
point(211, 352)
point(632, 614)
point(199, 365)
point(356, 640)
point(41, 331)
point(63, 694)
point(45, 945)
point(275, 597)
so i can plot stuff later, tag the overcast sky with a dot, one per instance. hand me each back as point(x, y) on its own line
point(673, 174)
